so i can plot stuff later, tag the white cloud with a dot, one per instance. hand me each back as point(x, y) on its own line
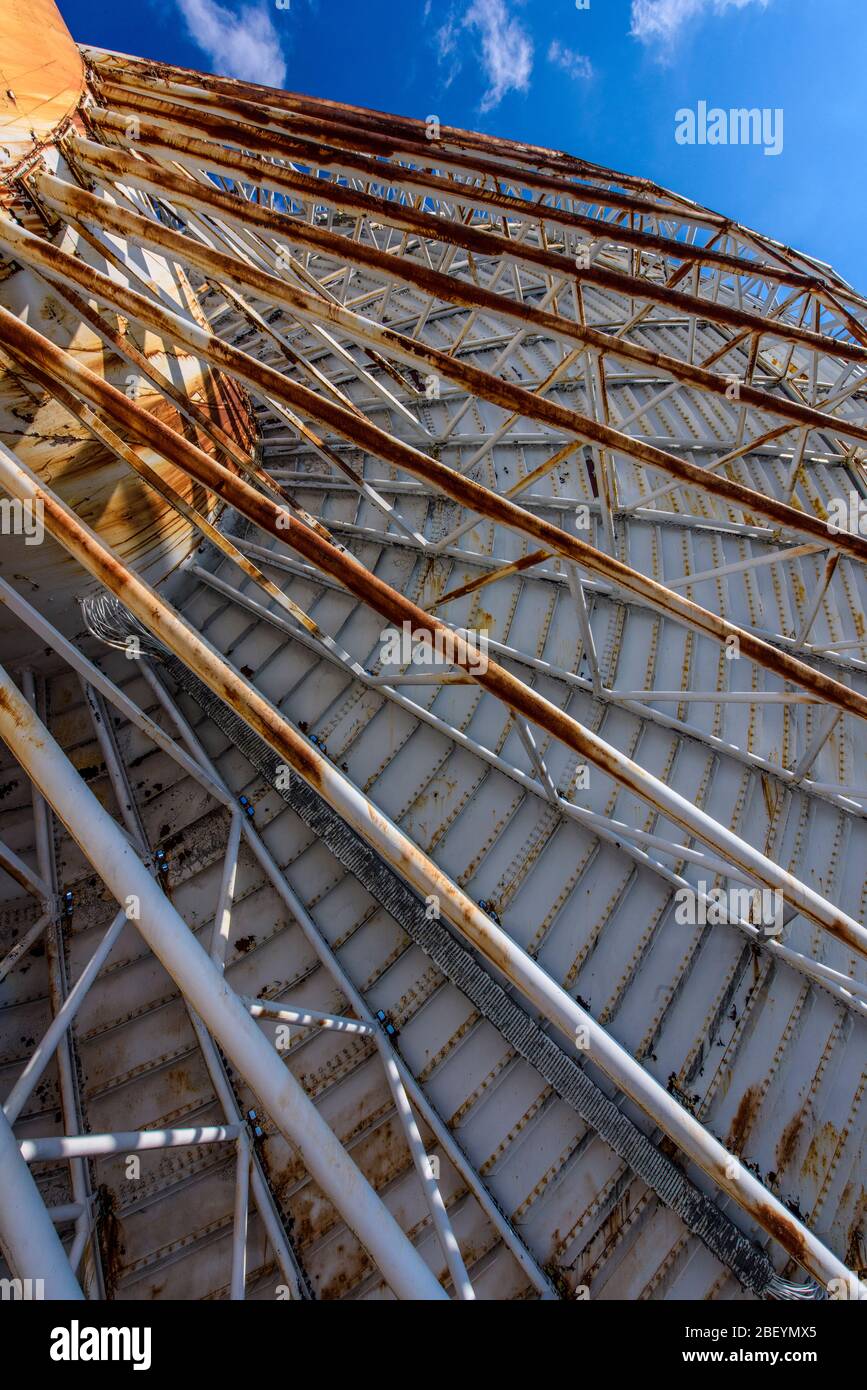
point(447, 39)
point(566, 58)
point(660, 21)
point(241, 44)
point(448, 50)
point(507, 49)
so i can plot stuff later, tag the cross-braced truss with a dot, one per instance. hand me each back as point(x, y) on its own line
point(523, 407)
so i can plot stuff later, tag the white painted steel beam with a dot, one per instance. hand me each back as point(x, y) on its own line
point(200, 981)
point(57, 1148)
point(326, 955)
point(28, 1239)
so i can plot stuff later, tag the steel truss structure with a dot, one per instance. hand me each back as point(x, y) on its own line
point(420, 919)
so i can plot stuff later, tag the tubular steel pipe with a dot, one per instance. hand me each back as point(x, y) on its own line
point(19, 871)
point(404, 133)
point(222, 924)
point(398, 609)
point(66, 1212)
point(624, 837)
point(366, 586)
point(28, 1239)
point(200, 981)
point(324, 951)
point(478, 241)
point(433, 1197)
point(24, 343)
point(57, 1148)
point(67, 1073)
point(49, 634)
point(346, 153)
point(74, 201)
point(240, 1218)
point(23, 944)
point(56, 1033)
point(269, 1213)
point(397, 850)
point(306, 1018)
point(236, 95)
point(116, 772)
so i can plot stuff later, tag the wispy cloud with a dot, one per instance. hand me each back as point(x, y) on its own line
point(507, 50)
point(447, 44)
point(242, 43)
point(659, 22)
point(506, 47)
point(576, 64)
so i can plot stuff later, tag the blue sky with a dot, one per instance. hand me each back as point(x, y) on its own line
point(603, 82)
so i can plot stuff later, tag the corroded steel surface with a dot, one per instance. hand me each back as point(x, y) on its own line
point(499, 391)
point(43, 79)
point(39, 103)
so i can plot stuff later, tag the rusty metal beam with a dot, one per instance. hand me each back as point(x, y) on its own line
point(23, 341)
point(342, 152)
point(169, 937)
point(101, 431)
point(159, 181)
point(427, 878)
point(463, 490)
point(526, 562)
point(478, 242)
